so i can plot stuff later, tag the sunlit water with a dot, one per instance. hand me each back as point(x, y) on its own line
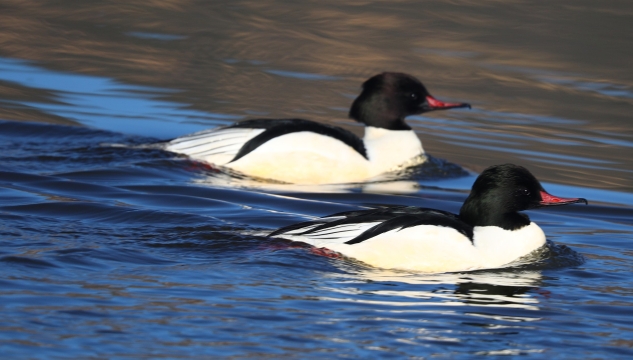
point(110, 248)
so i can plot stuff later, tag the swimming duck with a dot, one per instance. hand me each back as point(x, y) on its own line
point(489, 231)
point(306, 152)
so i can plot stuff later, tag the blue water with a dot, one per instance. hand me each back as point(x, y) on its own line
point(113, 249)
point(118, 252)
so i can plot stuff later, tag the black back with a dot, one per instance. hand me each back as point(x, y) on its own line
point(278, 127)
point(393, 217)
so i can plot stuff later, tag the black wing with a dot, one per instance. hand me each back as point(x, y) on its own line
point(278, 127)
point(389, 218)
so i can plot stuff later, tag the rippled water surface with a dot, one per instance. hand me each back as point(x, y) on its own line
point(111, 249)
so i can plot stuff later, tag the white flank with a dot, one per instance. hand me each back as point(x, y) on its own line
point(215, 146)
point(390, 149)
point(432, 249)
point(304, 158)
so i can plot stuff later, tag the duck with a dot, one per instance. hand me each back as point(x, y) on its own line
point(300, 151)
point(489, 232)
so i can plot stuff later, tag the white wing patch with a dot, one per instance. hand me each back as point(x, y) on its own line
point(217, 146)
point(334, 235)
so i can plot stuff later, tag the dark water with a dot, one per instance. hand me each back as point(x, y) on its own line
point(114, 250)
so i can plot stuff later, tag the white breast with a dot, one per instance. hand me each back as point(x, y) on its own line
point(499, 247)
point(390, 149)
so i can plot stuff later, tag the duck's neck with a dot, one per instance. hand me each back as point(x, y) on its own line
point(388, 149)
point(477, 212)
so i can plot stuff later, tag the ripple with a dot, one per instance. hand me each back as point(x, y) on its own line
point(302, 76)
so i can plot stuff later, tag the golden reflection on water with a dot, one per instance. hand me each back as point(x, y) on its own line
point(506, 58)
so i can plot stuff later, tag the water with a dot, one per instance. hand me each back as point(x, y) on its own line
point(114, 250)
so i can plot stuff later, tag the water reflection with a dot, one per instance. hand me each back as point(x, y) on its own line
point(537, 88)
point(418, 180)
point(105, 103)
point(503, 289)
point(432, 172)
point(148, 35)
point(112, 250)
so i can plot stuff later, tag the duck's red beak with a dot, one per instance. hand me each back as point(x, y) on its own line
point(551, 200)
point(434, 104)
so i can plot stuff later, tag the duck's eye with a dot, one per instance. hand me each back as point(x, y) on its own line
point(522, 192)
point(413, 96)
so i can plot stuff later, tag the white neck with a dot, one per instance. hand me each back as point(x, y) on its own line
point(389, 149)
point(499, 247)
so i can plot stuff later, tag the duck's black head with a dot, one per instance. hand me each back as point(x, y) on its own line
point(500, 192)
point(389, 97)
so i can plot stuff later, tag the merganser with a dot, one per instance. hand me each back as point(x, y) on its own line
point(489, 231)
point(306, 152)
